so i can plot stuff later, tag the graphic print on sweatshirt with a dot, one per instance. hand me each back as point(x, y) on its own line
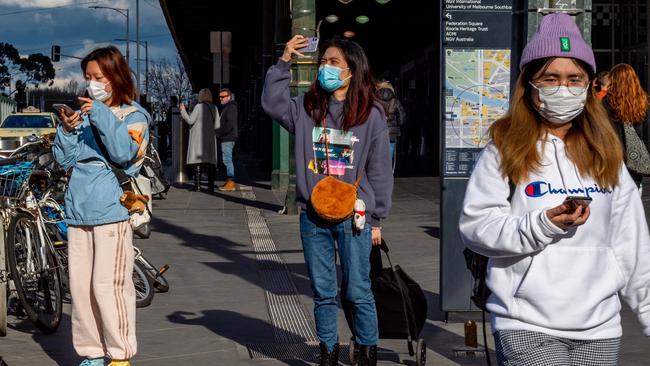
point(340, 154)
point(540, 188)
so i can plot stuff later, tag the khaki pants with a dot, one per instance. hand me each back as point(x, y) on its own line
point(103, 295)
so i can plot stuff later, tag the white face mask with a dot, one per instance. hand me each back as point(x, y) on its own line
point(97, 90)
point(562, 106)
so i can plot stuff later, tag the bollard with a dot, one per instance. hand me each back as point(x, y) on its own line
point(471, 339)
point(180, 135)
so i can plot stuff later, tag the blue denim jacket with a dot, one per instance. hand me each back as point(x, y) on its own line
point(93, 194)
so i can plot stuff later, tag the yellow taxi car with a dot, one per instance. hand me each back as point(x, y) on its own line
point(17, 127)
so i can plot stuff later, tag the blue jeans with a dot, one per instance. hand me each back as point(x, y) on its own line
point(318, 241)
point(226, 156)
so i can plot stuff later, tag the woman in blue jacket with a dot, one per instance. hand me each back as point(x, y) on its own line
point(100, 239)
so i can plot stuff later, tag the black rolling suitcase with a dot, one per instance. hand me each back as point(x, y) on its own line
point(401, 306)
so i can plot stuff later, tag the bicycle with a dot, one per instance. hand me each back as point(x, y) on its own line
point(30, 256)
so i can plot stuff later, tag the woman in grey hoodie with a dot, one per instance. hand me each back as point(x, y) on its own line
point(342, 101)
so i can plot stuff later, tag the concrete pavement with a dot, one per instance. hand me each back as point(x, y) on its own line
point(223, 307)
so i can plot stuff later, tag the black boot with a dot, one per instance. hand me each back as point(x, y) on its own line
point(197, 178)
point(368, 356)
point(210, 169)
point(329, 358)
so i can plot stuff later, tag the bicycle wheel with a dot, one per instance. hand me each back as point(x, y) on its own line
point(143, 286)
point(39, 288)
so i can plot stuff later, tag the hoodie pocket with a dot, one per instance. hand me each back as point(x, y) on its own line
point(569, 288)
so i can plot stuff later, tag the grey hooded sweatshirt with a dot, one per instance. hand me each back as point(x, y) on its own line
point(361, 151)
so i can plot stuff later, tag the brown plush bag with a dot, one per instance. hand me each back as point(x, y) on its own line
point(333, 199)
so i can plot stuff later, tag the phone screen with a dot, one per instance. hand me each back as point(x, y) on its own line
point(311, 47)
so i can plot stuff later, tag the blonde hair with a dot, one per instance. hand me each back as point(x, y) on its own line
point(205, 95)
point(591, 143)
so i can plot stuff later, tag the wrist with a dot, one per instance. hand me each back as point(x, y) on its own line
point(286, 57)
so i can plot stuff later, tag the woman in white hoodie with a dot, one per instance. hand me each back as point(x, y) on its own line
point(556, 270)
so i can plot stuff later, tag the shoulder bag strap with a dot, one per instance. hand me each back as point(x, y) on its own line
point(327, 149)
point(121, 175)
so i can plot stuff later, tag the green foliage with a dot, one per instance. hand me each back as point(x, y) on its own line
point(35, 68)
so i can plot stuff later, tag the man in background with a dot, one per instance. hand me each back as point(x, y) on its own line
point(227, 135)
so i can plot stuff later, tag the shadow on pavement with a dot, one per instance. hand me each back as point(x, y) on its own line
point(58, 346)
point(238, 328)
point(242, 201)
point(243, 266)
point(432, 231)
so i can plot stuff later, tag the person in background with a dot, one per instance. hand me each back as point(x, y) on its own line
point(100, 238)
point(395, 115)
point(202, 148)
point(626, 102)
point(601, 84)
point(227, 135)
point(341, 103)
point(558, 267)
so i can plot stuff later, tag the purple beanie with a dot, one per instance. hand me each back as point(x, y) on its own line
point(558, 36)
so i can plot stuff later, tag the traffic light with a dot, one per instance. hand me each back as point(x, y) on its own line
point(56, 53)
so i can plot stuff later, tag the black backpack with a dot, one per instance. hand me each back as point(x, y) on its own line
point(477, 265)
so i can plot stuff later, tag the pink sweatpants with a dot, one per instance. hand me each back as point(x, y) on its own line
point(103, 295)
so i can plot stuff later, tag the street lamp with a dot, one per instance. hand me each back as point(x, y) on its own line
point(124, 12)
point(146, 60)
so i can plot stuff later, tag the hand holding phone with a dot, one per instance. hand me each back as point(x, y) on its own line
point(63, 108)
point(572, 203)
point(311, 47)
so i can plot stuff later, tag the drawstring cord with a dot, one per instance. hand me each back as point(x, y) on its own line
point(575, 169)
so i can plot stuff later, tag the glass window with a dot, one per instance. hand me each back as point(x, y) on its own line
point(22, 121)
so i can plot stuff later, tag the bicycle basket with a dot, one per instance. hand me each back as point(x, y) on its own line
point(12, 178)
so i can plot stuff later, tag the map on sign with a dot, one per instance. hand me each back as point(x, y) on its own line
point(477, 93)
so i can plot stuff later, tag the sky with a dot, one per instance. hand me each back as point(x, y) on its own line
point(33, 26)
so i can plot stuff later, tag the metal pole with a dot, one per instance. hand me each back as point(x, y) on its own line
point(137, 40)
point(127, 37)
point(146, 68)
point(303, 21)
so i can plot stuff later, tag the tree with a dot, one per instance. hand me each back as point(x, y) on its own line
point(165, 80)
point(33, 69)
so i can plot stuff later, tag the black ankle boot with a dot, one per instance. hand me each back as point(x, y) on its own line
point(367, 355)
point(329, 358)
point(197, 178)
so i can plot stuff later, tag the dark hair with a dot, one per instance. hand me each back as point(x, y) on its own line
point(226, 90)
point(360, 98)
point(115, 69)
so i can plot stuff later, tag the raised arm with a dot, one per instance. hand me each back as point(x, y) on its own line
point(276, 98)
point(114, 133)
point(197, 114)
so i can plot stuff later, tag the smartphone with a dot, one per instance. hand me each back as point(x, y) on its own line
point(311, 47)
point(66, 109)
point(574, 201)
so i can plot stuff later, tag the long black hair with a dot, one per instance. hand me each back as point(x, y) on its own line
point(360, 98)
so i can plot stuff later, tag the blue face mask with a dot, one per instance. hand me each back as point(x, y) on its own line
point(329, 77)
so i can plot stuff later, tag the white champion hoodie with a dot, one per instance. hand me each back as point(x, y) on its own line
point(545, 279)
